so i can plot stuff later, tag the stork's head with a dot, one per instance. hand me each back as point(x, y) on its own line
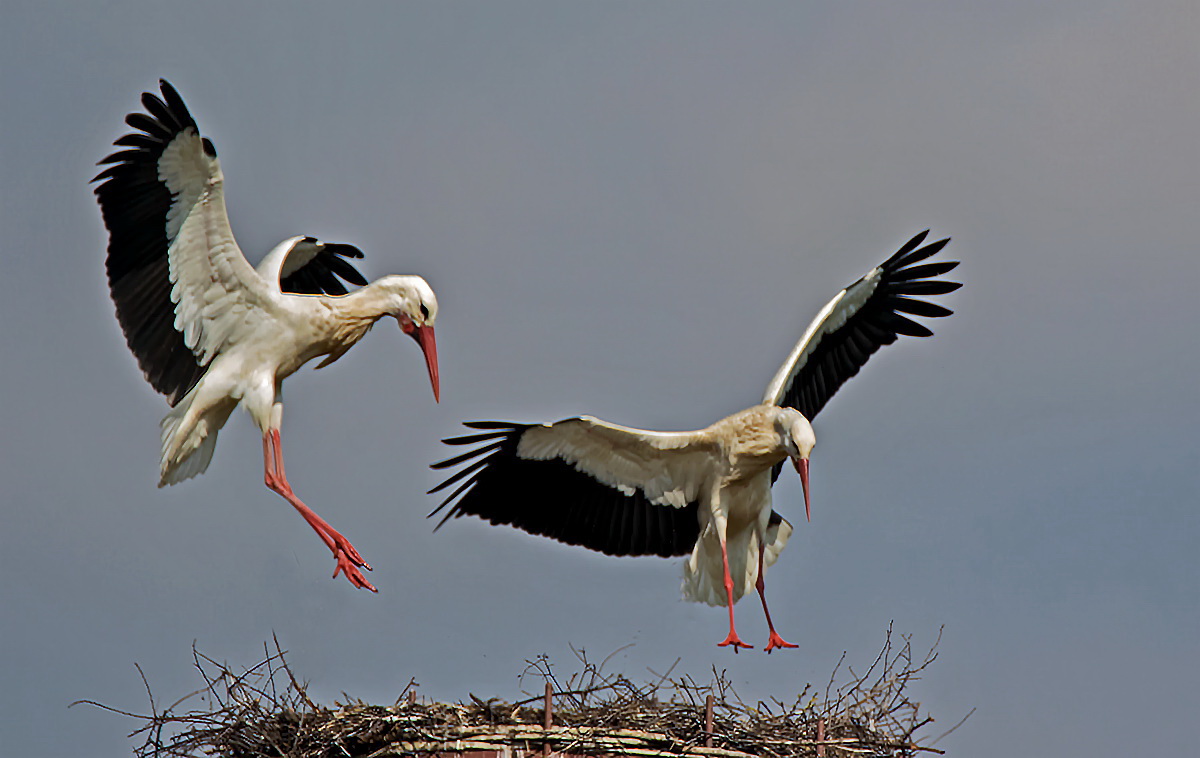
point(798, 441)
point(411, 301)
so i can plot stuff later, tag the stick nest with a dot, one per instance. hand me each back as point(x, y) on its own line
point(264, 711)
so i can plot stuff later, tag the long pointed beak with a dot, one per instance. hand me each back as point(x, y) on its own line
point(424, 337)
point(802, 470)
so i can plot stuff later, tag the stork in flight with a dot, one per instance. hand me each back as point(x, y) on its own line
point(625, 491)
point(207, 329)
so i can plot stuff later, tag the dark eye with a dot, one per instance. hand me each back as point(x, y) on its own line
point(424, 311)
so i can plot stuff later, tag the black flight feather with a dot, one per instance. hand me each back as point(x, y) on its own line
point(878, 321)
point(554, 499)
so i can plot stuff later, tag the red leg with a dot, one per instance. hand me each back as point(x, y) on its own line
point(774, 640)
point(732, 639)
point(348, 558)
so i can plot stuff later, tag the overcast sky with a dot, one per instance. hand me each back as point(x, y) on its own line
point(630, 210)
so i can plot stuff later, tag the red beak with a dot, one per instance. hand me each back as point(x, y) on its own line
point(802, 470)
point(424, 337)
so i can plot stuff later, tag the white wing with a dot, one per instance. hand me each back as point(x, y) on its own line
point(668, 467)
point(586, 482)
point(217, 294)
point(858, 321)
point(173, 264)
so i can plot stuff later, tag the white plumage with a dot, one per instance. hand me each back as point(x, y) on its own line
point(209, 331)
point(707, 493)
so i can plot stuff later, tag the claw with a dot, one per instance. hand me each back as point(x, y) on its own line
point(346, 564)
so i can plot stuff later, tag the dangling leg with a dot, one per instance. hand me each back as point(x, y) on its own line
point(732, 639)
point(348, 559)
point(774, 640)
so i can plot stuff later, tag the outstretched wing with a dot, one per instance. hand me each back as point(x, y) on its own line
point(862, 318)
point(181, 285)
point(585, 482)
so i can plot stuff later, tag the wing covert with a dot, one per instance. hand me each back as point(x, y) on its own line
point(579, 481)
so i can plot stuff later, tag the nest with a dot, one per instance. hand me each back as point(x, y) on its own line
point(265, 711)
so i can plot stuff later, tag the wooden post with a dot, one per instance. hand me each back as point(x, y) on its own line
point(412, 696)
point(821, 738)
point(708, 720)
point(548, 720)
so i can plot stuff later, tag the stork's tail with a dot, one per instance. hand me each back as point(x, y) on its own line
point(704, 572)
point(188, 439)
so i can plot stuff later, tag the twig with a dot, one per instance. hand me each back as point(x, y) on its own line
point(266, 711)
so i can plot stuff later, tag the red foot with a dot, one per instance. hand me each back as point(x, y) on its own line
point(349, 561)
point(777, 641)
point(343, 546)
point(732, 639)
point(346, 565)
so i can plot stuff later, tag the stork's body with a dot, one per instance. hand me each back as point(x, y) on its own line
point(627, 491)
point(291, 331)
point(209, 331)
point(737, 534)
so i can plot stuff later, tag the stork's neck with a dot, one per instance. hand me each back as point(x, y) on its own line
point(755, 444)
point(353, 315)
point(370, 303)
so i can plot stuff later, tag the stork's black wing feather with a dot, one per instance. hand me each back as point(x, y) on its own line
point(556, 500)
point(322, 274)
point(838, 353)
point(870, 316)
point(134, 203)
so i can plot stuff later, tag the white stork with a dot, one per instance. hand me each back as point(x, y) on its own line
point(209, 331)
point(626, 491)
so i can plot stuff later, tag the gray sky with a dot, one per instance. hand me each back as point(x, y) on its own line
point(631, 210)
